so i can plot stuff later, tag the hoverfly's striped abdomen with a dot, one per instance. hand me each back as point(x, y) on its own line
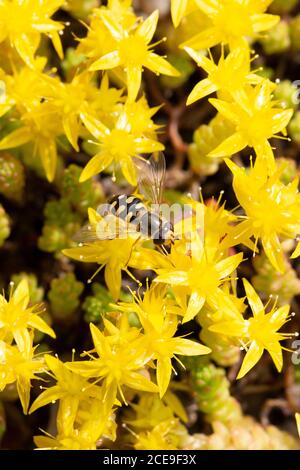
point(132, 210)
point(127, 207)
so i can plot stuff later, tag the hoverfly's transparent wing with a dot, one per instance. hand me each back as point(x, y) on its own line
point(109, 227)
point(87, 234)
point(151, 177)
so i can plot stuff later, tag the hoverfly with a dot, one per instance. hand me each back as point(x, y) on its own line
point(126, 215)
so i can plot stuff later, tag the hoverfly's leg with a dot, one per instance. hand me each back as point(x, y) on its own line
point(138, 227)
point(127, 270)
point(133, 245)
point(163, 250)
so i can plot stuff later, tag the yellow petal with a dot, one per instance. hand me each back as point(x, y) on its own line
point(47, 26)
point(47, 396)
point(178, 8)
point(44, 442)
point(204, 40)
point(86, 254)
point(93, 125)
point(254, 79)
point(85, 368)
point(209, 7)
point(148, 146)
point(226, 109)
point(140, 382)
point(4, 108)
point(280, 316)
point(21, 294)
point(23, 387)
point(229, 328)
point(264, 21)
point(3, 303)
point(129, 171)
point(253, 298)
point(93, 216)
point(113, 279)
point(39, 324)
point(263, 94)
point(56, 41)
point(228, 265)
point(111, 23)
point(147, 259)
point(98, 339)
point(110, 327)
point(297, 416)
point(229, 146)
point(259, 5)
point(202, 89)
point(55, 365)
point(23, 340)
point(67, 411)
point(48, 154)
point(134, 78)
point(202, 61)
point(196, 302)
point(186, 347)
point(159, 65)
point(163, 374)
point(240, 233)
point(197, 248)
point(281, 120)
point(240, 96)
point(239, 59)
point(106, 62)
point(274, 252)
point(26, 48)
point(97, 164)
point(16, 138)
point(147, 29)
point(296, 252)
point(176, 278)
point(275, 352)
point(71, 129)
point(176, 406)
point(265, 156)
point(253, 355)
point(234, 168)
